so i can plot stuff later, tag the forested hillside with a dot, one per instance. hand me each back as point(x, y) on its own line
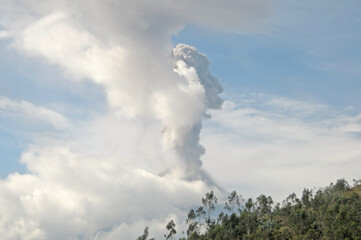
point(333, 212)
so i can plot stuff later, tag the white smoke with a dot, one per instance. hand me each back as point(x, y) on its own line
point(86, 186)
point(193, 66)
point(178, 98)
point(126, 48)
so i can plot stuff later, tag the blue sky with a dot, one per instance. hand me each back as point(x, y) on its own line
point(78, 114)
point(306, 51)
point(310, 52)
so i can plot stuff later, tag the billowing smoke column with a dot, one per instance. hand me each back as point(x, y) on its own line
point(79, 187)
point(124, 47)
point(140, 80)
point(193, 66)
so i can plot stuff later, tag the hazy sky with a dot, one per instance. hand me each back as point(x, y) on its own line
point(106, 129)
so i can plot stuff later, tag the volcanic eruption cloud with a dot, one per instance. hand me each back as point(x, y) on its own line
point(125, 48)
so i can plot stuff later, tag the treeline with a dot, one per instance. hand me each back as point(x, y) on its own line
point(333, 212)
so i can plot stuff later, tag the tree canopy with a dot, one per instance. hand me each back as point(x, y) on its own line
point(333, 212)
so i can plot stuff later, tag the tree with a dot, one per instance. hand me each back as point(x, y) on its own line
point(332, 212)
point(234, 201)
point(193, 225)
point(171, 228)
point(145, 235)
point(306, 197)
point(209, 205)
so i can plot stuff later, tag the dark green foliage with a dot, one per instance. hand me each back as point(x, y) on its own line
point(234, 202)
point(145, 235)
point(333, 212)
point(171, 228)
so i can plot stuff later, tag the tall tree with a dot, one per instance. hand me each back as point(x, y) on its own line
point(171, 228)
point(209, 205)
point(234, 202)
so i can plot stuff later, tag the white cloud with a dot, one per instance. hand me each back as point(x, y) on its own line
point(29, 112)
point(101, 180)
point(138, 75)
point(282, 148)
point(4, 34)
point(156, 17)
point(100, 183)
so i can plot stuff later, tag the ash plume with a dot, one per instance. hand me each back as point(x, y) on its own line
point(88, 183)
point(193, 67)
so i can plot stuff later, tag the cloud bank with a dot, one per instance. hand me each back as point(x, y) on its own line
point(126, 48)
point(288, 144)
point(31, 113)
point(101, 180)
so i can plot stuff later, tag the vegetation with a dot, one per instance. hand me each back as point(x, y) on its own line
point(333, 212)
